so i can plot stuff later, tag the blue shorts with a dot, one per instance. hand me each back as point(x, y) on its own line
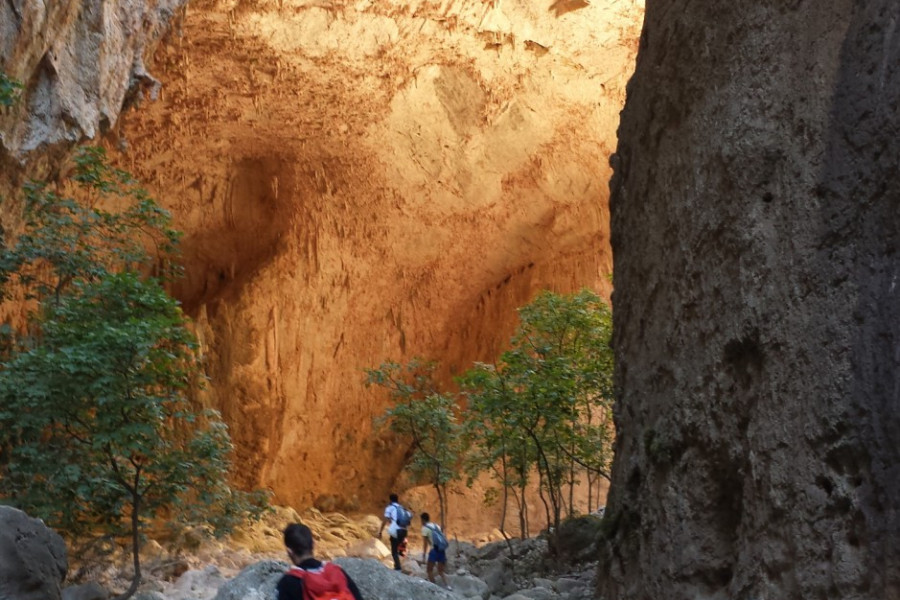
point(437, 556)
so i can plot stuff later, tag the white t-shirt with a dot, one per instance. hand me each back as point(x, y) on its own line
point(390, 512)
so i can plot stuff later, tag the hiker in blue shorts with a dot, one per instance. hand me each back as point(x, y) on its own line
point(434, 537)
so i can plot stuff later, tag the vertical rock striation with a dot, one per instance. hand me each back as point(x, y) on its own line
point(756, 221)
point(358, 181)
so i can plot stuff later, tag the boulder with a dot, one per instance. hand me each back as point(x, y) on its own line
point(33, 560)
point(259, 581)
point(85, 591)
point(378, 581)
point(578, 538)
point(468, 586)
point(539, 593)
point(570, 586)
point(200, 584)
point(256, 582)
point(499, 580)
point(371, 548)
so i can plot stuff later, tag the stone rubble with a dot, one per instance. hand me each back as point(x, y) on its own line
point(248, 566)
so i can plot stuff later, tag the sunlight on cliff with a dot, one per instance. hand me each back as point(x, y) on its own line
point(369, 181)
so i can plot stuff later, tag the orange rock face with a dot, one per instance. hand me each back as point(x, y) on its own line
point(367, 181)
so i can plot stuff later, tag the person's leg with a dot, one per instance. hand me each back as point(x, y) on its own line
point(430, 570)
point(441, 568)
point(395, 552)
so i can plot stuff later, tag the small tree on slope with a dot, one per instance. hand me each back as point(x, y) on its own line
point(546, 404)
point(428, 418)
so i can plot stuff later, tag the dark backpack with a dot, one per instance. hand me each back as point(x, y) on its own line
point(404, 517)
point(328, 582)
point(438, 539)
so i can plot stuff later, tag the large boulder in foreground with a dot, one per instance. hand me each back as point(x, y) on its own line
point(378, 581)
point(258, 582)
point(33, 560)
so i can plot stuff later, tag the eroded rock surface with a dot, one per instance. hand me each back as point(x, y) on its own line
point(757, 324)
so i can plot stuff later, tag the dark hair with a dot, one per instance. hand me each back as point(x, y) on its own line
point(426, 517)
point(394, 498)
point(298, 538)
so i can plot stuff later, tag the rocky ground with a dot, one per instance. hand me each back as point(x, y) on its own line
point(248, 565)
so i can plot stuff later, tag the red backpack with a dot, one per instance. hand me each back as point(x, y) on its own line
point(328, 582)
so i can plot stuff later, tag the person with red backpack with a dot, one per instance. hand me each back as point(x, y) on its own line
point(311, 579)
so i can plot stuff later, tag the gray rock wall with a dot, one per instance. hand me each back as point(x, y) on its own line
point(80, 62)
point(755, 217)
point(33, 559)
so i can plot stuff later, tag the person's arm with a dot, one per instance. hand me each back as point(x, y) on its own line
point(351, 585)
point(426, 538)
point(385, 521)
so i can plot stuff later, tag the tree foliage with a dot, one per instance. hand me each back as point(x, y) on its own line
point(542, 410)
point(97, 428)
point(547, 402)
point(427, 417)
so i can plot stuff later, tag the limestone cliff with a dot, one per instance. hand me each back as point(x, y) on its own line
point(80, 62)
point(358, 181)
point(755, 219)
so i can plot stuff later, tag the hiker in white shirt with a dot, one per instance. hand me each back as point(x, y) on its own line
point(396, 533)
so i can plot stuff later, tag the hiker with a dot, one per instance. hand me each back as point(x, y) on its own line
point(432, 535)
point(397, 519)
point(309, 578)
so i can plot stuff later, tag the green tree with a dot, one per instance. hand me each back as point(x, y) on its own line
point(95, 418)
point(428, 418)
point(545, 405)
point(499, 443)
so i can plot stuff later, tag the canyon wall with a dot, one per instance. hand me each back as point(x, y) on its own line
point(357, 182)
point(756, 221)
point(368, 181)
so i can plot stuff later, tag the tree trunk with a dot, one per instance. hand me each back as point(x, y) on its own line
point(756, 230)
point(523, 512)
point(135, 548)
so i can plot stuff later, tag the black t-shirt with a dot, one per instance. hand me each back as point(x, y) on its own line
point(291, 588)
